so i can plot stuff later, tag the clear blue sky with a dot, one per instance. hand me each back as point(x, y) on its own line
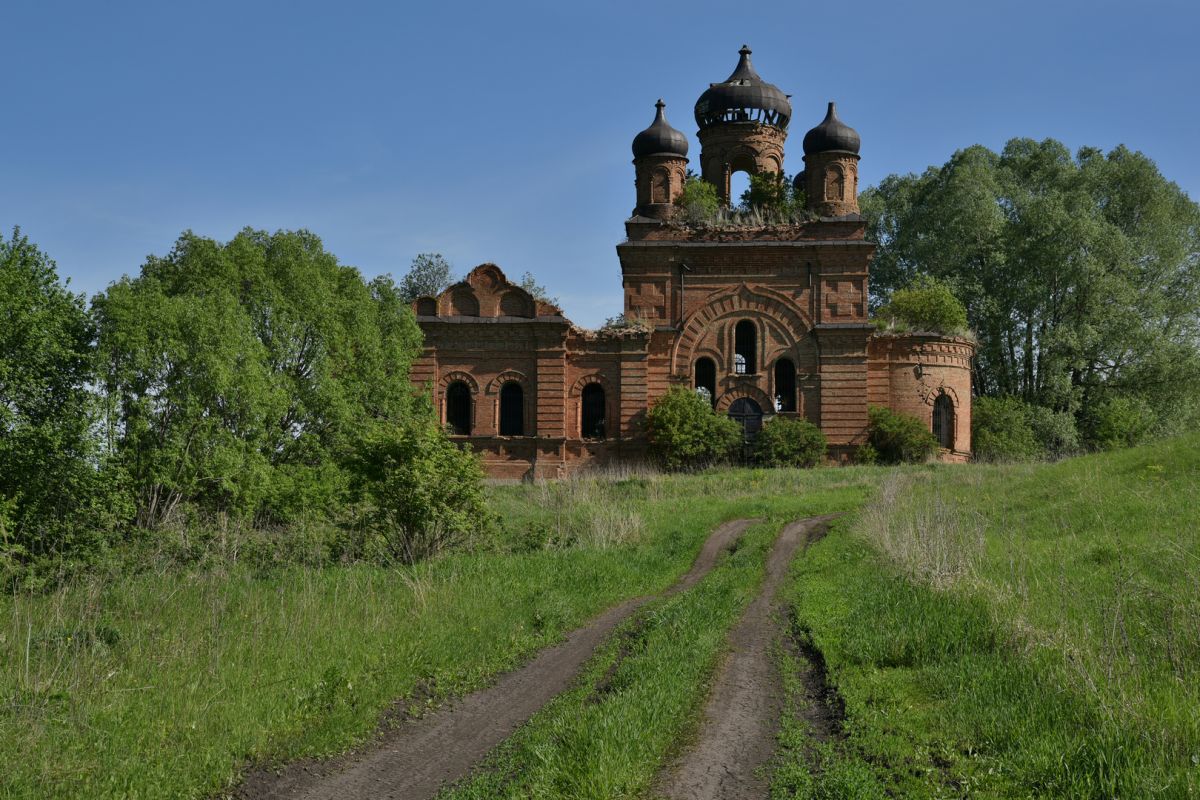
point(500, 131)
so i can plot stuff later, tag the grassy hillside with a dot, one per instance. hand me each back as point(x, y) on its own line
point(1015, 631)
point(167, 684)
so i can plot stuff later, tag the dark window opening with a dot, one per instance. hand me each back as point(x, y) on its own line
point(458, 409)
point(748, 414)
point(512, 410)
point(706, 379)
point(785, 385)
point(943, 421)
point(744, 345)
point(591, 424)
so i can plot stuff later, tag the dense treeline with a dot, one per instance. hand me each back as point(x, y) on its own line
point(246, 384)
point(1080, 275)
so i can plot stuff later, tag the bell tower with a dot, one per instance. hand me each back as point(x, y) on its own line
point(743, 124)
point(660, 164)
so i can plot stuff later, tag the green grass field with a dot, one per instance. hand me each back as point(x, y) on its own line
point(1017, 631)
point(994, 631)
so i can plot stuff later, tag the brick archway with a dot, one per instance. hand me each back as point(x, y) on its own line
point(789, 322)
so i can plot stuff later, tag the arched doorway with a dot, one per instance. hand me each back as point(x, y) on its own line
point(748, 414)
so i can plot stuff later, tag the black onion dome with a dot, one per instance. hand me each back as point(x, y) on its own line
point(832, 134)
point(660, 138)
point(743, 97)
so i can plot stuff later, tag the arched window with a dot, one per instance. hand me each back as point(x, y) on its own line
point(458, 408)
point(706, 378)
point(591, 422)
point(785, 385)
point(512, 410)
point(943, 420)
point(744, 345)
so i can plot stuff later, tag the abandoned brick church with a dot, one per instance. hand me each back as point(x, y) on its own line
point(767, 320)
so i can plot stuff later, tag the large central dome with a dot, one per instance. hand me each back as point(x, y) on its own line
point(743, 97)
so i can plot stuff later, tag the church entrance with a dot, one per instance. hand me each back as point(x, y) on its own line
point(748, 414)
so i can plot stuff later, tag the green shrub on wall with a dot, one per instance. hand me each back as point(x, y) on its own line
point(790, 442)
point(685, 432)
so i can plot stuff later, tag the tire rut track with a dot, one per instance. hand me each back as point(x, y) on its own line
point(415, 759)
point(741, 716)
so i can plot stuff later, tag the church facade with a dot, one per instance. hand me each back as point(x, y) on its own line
point(763, 320)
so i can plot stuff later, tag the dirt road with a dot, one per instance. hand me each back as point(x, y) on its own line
point(741, 718)
point(416, 758)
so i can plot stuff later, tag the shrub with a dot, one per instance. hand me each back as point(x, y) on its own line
point(899, 438)
point(426, 492)
point(926, 304)
point(790, 442)
point(1001, 430)
point(1116, 421)
point(685, 432)
point(698, 200)
point(1054, 430)
point(770, 192)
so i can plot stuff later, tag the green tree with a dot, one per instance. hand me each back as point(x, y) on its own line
point(428, 276)
point(535, 289)
point(685, 432)
point(53, 499)
point(788, 442)
point(242, 376)
point(1079, 273)
point(1001, 430)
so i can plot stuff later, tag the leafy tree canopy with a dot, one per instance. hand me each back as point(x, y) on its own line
point(242, 375)
point(428, 276)
point(1080, 274)
point(50, 493)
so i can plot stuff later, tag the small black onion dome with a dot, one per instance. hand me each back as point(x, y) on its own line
point(660, 138)
point(743, 97)
point(799, 181)
point(832, 134)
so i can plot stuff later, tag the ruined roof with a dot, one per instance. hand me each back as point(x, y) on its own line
point(743, 97)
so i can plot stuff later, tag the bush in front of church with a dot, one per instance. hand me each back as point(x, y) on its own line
point(686, 433)
point(789, 442)
point(899, 438)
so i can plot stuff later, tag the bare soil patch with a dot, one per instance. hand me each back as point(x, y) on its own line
point(416, 757)
point(741, 717)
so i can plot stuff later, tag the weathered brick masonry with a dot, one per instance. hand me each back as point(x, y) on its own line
point(767, 320)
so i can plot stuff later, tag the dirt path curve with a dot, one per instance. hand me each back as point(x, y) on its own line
point(741, 718)
point(414, 759)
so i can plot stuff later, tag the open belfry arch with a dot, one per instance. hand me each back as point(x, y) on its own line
point(764, 321)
